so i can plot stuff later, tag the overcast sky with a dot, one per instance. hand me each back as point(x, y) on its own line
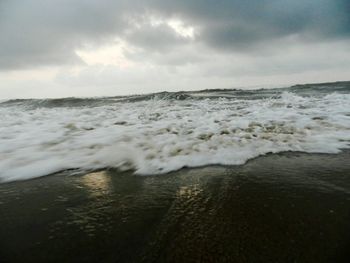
point(60, 48)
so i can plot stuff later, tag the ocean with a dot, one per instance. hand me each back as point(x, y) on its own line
point(207, 176)
point(163, 132)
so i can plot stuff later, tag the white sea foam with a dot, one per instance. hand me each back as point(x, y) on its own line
point(158, 136)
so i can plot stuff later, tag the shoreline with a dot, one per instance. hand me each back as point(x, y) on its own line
point(82, 172)
point(283, 207)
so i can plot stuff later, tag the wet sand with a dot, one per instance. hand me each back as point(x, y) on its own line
point(289, 207)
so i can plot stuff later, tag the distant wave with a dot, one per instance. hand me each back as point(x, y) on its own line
point(252, 94)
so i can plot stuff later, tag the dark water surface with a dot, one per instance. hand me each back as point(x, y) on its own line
point(289, 207)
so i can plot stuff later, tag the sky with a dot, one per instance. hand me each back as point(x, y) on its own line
point(64, 48)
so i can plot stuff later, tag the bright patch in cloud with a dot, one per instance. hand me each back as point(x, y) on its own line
point(106, 55)
point(179, 26)
point(182, 29)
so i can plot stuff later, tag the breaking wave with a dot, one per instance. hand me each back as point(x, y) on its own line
point(163, 132)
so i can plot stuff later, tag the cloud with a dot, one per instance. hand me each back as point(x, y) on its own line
point(34, 33)
point(37, 32)
point(158, 37)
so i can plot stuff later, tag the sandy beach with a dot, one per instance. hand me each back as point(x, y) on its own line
point(174, 131)
point(289, 207)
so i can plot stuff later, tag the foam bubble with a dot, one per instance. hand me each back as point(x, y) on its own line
point(158, 136)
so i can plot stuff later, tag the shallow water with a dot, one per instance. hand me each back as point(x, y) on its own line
point(164, 132)
point(290, 207)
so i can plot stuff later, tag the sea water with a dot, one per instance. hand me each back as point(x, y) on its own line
point(163, 132)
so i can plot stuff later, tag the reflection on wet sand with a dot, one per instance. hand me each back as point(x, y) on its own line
point(278, 208)
point(98, 183)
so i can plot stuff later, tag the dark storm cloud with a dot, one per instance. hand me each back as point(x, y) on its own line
point(41, 32)
point(241, 24)
point(37, 32)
